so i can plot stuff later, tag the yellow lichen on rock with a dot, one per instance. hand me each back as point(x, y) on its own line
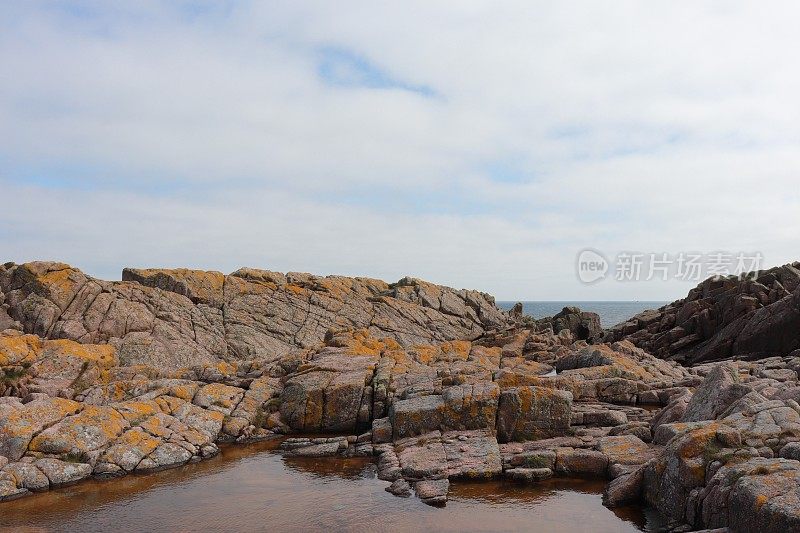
point(18, 349)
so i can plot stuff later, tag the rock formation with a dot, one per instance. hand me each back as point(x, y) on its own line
point(179, 318)
point(108, 378)
point(753, 317)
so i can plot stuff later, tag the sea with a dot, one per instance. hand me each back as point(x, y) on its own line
point(611, 313)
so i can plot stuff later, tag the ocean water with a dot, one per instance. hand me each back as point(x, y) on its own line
point(611, 313)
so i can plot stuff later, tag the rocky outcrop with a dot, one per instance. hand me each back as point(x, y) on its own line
point(750, 318)
point(430, 412)
point(473, 398)
point(179, 318)
point(583, 325)
point(719, 466)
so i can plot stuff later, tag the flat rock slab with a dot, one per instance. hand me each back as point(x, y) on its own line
point(472, 454)
point(432, 492)
point(422, 457)
point(625, 449)
point(528, 475)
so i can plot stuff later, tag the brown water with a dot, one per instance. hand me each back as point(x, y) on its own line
point(254, 488)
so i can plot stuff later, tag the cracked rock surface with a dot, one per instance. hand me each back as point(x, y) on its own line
point(108, 378)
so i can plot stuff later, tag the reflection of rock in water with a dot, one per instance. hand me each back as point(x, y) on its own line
point(325, 467)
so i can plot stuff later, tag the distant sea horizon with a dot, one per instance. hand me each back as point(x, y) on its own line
point(611, 312)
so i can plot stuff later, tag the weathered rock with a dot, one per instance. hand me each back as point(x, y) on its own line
point(571, 461)
point(422, 457)
point(19, 427)
point(756, 495)
point(472, 454)
point(582, 325)
point(751, 317)
point(28, 476)
point(9, 489)
point(62, 473)
point(129, 449)
point(400, 487)
point(720, 389)
point(381, 430)
point(625, 490)
point(175, 318)
point(461, 407)
point(433, 491)
point(624, 449)
point(529, 413)
point(166, 455)
point(90, 430)
point(218, 397)
point(316, 447)
point(528, 475)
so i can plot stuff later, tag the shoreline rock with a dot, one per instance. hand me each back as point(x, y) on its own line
point(481, 395)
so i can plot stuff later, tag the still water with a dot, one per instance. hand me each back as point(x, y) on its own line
point(254, 488)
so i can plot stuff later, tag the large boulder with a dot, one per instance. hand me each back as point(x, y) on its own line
point(720, 389)
point(581, 324)
point(530, 413)
point(461, 407)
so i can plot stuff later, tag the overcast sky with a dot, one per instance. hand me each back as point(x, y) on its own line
point(474, 144)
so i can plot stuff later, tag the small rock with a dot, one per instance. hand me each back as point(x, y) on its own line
point(432, 491)
point(400, 488)
point(529, 475)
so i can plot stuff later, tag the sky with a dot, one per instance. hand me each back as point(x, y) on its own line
point(474, 144)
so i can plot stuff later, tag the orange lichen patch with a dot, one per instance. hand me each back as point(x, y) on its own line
point(209, 278)
point(598, 372)
point(138, 438)
point(169, 404)
point(218, 395)
point(336, 287)
point(696, 442)
point(425, 354)
point(117, 391)
point(761, 499)
point(487, 357)
point(156, 426)
point(137, 412)
point(19, 349)
point(360, 342)
point(624, 449)
point(184, 392)
point(61, 285)
point(129, 448)
point(18, 427)
point(457, 349)
point(226, 368)
point(296, 289)
point(103, 355)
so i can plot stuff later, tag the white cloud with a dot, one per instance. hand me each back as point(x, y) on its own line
point(211, 140)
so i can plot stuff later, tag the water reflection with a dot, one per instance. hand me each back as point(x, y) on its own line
point(253, 488)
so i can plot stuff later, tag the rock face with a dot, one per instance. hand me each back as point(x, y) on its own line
point(753, 318)
point(178, 318)
point(105, 379)
point(532, 413)
point(583, 325)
